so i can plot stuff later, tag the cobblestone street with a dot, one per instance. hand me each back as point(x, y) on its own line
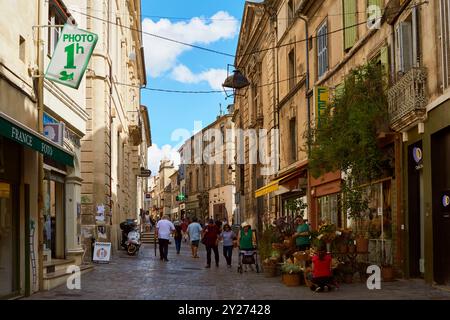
point(185, 278)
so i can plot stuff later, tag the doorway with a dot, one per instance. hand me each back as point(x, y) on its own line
point(415, 210)
point(54, 217)
point(440, 184)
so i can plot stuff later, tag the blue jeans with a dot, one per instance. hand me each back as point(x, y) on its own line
point(228, 253)
point(178, 245)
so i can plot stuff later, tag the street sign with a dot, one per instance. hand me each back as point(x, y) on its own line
point(71, 56)
point(145, 173)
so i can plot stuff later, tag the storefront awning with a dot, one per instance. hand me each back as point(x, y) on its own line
point(272, 186)
point(27, 137)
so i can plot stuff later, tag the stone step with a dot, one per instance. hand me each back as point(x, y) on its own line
point(57, 278)
point(56, 265)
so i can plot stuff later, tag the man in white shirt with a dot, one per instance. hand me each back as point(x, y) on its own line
point(164, 228)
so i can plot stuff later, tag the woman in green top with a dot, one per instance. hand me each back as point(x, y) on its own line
point(246, 237)
point(302, 235)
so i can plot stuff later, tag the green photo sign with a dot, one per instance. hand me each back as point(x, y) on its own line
point(71, 56)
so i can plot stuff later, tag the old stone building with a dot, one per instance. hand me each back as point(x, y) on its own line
point(255, 109)
point(118, 131)
point(207, 172)
point(317, 43)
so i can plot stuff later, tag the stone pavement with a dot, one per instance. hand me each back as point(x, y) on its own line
point(185, 278)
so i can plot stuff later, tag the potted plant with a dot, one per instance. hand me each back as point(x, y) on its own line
point(291, 273)
point(269, 255)
point(327, 234)
point(346, 272)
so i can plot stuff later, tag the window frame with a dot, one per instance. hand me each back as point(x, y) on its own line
point(322, 49)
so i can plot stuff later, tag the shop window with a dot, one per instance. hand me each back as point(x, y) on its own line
point(294, 206)
point(376, 223)
point(329, 209)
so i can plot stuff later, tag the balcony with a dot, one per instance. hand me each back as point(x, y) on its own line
point(407, 99)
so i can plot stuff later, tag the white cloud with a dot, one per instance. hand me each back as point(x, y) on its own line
point(215, 77)
point(161, 55)
point(156, 154)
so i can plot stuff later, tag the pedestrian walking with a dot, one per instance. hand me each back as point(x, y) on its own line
point(211, 240)
point(246, 240)
point(178, 236)
point(164, 228)
point(227, 236)
point(184, 226)
point(194, 231)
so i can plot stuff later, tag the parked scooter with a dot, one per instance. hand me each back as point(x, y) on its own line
point(131, 238)
point(134, 242)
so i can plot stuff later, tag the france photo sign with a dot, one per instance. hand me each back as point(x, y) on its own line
point(71, 56)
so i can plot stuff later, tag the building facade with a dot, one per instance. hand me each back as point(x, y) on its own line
point(317, 44)
point(207, 173)
point(39, 118)
point(118, 131)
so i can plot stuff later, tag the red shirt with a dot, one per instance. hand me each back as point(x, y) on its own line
point(211, 234)
point(321, 268)
point(184, 226)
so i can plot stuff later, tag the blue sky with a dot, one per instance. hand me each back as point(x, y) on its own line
point(172, 66)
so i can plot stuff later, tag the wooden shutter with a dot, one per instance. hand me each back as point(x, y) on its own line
point(384, 58)
point(350, 21)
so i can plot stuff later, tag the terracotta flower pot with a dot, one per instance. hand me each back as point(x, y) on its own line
point(348, 277)
point(291, 279)
point(387, 273)
point(362, 244)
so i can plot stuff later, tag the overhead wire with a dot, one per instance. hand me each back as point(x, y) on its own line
point(226, 54)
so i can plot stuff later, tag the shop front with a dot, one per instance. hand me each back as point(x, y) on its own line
point(19, 146)
point(10, 160)
point(324, 201)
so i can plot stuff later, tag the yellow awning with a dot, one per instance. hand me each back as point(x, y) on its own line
point(272, 186)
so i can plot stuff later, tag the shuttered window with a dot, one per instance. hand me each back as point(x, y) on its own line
point(350, 21)
point(322, 50)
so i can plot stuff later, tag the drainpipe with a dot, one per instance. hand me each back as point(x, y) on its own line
point(40, 98)
point(307, 81)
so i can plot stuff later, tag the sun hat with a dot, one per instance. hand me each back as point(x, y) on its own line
point(245, 224)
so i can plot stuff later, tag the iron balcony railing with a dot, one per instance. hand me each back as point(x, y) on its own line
point(407, 99)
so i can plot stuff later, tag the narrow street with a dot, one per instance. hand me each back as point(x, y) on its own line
point(183, 278)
